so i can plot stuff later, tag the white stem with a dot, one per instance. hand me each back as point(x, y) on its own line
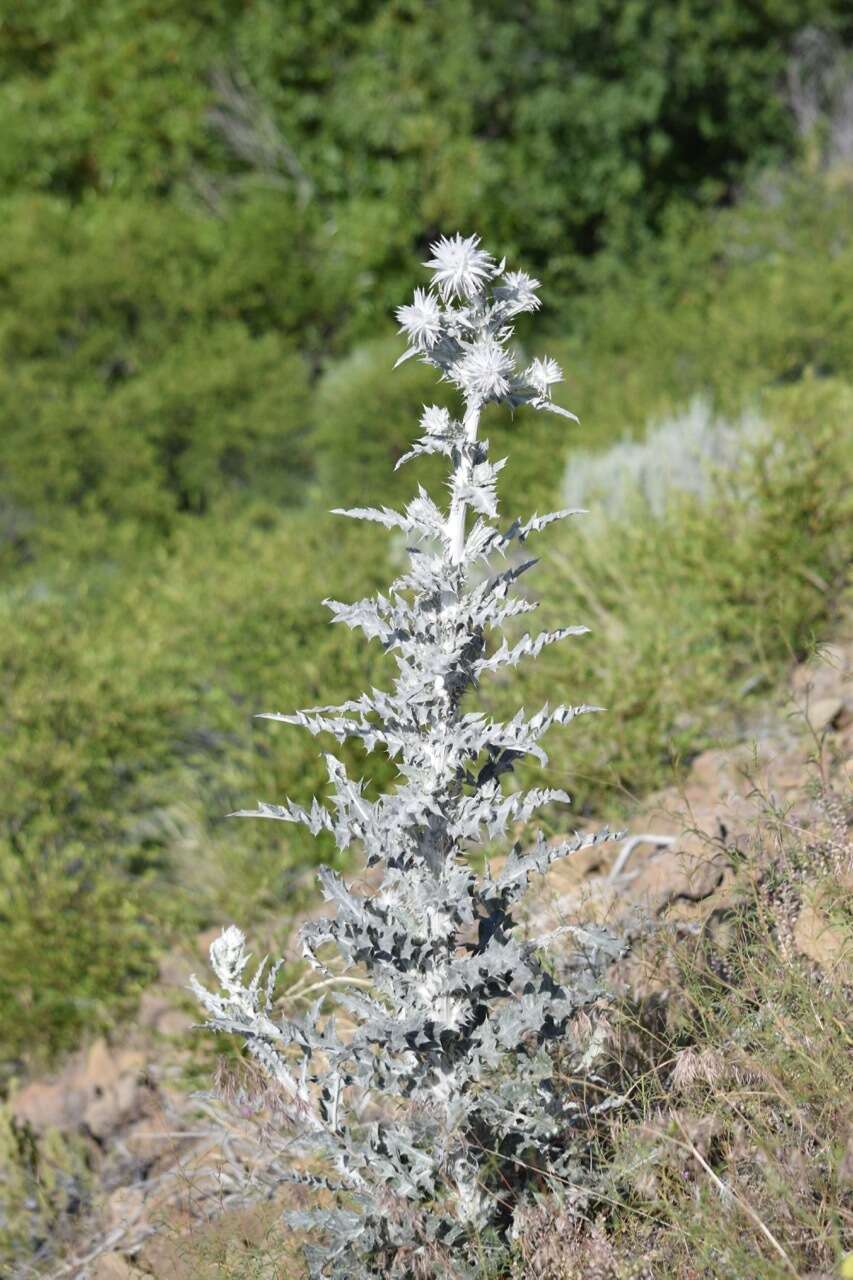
point(456, 519)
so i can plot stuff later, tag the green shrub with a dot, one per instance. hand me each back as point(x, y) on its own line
point(76, 947)
point(568, 128)
point(45, 1182)
point(362, 422)
point(360, 432)
point(728, 305)
point(134, 382)
point(108, 96)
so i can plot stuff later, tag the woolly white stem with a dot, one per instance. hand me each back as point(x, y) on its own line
point(456, 519)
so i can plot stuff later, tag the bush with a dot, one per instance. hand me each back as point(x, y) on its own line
point(44, 1182)
point(572, 128)
point(362, 422)
point(129, 395)
point(76, 947)
point(727, 305)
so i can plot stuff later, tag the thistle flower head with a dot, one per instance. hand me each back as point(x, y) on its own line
point(518, 293)
point(459, 268)
point(485, 370)
point(421, 320)
point(228, 956)
point(435, 421)
point(543, 373)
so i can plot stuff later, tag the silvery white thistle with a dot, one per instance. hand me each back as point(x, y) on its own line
point(421, 321)
point(442, 1109)
point(459, 268)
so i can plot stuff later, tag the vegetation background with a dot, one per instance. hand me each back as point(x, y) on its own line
point(209, 213)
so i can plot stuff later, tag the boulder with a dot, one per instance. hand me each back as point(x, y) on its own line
point(820, 940)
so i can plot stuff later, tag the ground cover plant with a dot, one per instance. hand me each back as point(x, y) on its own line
point(439, 1112)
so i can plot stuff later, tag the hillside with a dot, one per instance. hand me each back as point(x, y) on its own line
point(209, 218)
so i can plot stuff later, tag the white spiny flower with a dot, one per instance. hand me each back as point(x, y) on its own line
point(435, 421)
point(543, 373)
point(518, 292)
point(458, 267)
point(228, 957)
point(421, 320)
point(484, 372)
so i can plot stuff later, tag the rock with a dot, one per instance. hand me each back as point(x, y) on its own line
point(124, 1207)
point(105, 1066)
point(159, 1257)
point(154, 1141)
point(825, 713)
point(821, 688)
point(99, 1092)
point(713, 771)
point(690, 870)
point(821, 941)
point(47, 1106)
point(114, 1087)
point(112, 1107)
point(822, 673)
point(112, 1266)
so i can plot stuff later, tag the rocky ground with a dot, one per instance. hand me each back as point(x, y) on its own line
point(169, 1179)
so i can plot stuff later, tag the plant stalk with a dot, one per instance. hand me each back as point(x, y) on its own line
point(456, 519)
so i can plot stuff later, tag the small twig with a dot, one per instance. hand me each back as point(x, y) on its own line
point(297, 992)
point(660, 842)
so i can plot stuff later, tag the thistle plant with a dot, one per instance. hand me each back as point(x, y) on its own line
point(430, 1089)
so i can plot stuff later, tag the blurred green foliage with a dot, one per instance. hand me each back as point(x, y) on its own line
point(556, 129)
point(196, 363)
point(129, 690)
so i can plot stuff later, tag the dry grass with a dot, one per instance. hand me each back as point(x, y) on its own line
point(734, 1157)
